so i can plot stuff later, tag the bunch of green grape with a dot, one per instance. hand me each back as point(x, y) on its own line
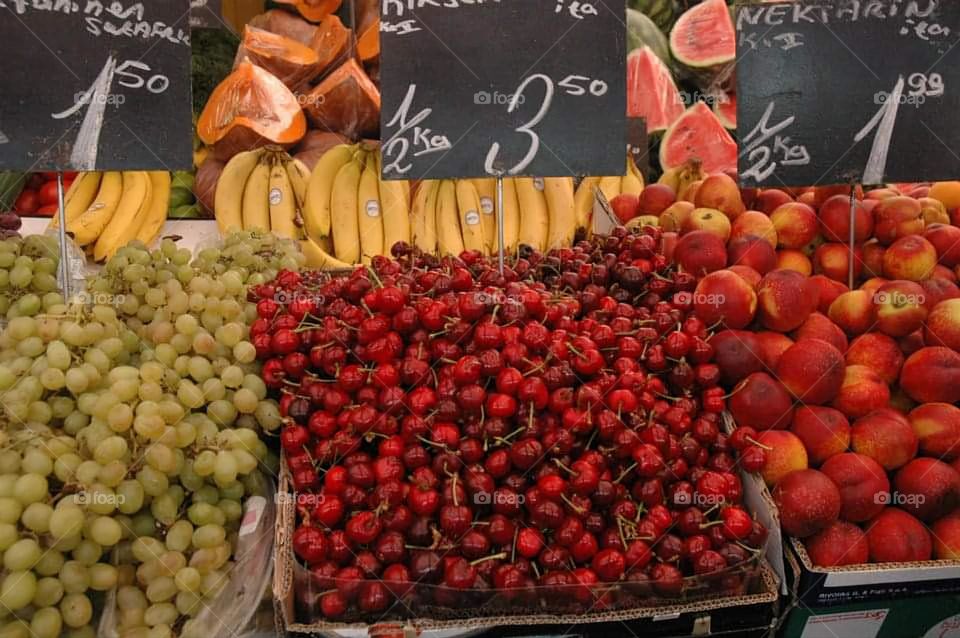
point(134, 433)
point(28, 276)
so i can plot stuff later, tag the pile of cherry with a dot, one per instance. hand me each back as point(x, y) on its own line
point(546, 437)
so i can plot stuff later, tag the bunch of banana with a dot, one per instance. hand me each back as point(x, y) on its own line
point(183, 203)
point(105, 211)
point(630, 183)
point(262, 189)
point(350, 214)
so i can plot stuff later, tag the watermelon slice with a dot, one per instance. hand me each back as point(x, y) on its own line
point(725, 106)
point(641, 31)
point(651, 92)
point(704, 40)
point(699, 134)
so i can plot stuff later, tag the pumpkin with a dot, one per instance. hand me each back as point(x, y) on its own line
point(329, 39)
point(313, 10)
point(346, 101)
point(249, 109)
point(291, 62)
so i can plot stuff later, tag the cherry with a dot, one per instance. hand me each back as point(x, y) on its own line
point(459, 574)
point(530, 542)
point(373, 597)
point(363, 528)
point(455, 520)
point(708, 561)
point(333, 604)
point(310, 544)
point(609, 565)
point(666, 579)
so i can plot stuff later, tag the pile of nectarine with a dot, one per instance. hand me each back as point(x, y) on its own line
point(851, 393)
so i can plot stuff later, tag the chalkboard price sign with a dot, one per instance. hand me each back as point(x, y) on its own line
point(519, 87)
point(95, 85)
point(842, 91)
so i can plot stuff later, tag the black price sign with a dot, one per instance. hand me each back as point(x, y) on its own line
point(95, 85)
point(519, 87)
point(841, 91)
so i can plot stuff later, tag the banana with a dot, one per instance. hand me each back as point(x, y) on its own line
point(583, 202)
point(228, 198)
point(423, 217)
point(299, 176)
point(369, 213)
point(160, 183)
point(395, 199)
point(679, 177)
point(449, 239)
point(470, 214)
point(126, 222)
point(563, 220)
point(256, 195)
point(487, 190)
point(283, 202)
point(88, 226)
point(343, 212)
point(318, 258)
point(534, 218)
point(316, 206)
point(610, 186)
point(511, 218)
point(79, 197)
point(632, 181)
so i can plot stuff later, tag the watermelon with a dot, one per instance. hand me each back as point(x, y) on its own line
point(641, 31)
point(651, 92)
point(725, 106)
point(699, 134)
point(704, 41)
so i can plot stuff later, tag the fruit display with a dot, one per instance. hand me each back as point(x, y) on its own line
point(132, 437)
point(844, 398)
point(542, 433)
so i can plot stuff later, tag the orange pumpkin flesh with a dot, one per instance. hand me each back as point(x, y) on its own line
point(291, 62)
point(249, 109)
point(313, 10)
point(346, 101)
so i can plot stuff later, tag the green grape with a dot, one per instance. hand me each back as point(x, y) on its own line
point(87, 552)
point(49, 592)
point(105, 531)
point(30, 488)
point(130, 497)
point(10, 510)
point(103, 577)
point(36, 517)
point(22, 555)
point(245, 400)
point(17, 590)
point(75, 577)
point(76, 610)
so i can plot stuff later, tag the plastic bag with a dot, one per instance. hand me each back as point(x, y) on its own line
point(232, 613)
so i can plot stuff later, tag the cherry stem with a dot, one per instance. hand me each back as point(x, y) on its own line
point(624, 473)
point(710, 524)
point(758, 443)
point(499, 556)
point(576, 508)
point(560, 464)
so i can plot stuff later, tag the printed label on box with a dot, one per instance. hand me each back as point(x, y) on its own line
point(862, 624)
point(946, 628)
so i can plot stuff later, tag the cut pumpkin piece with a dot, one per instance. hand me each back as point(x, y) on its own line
point(368, 45)
point(346, 101)
point(291, 62)
point(313, 10)
point(329, 39)
point(249, 109)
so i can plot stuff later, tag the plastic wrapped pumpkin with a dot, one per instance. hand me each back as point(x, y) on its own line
point(249, 109)
point(313, 10)
point(329, 39)
point(346, 101)
point(291, 62)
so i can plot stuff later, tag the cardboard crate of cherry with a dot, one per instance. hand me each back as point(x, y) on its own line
point(465, 444)
point(846, 398)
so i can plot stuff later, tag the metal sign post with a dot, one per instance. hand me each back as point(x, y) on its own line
point(63, 272)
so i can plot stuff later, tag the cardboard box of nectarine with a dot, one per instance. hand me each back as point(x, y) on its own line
point(929, 617)
point(831, 586)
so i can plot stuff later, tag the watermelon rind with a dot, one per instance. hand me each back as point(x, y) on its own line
point(698, 133)
point(725, 106)
point(641, 31)
point(688, 36)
